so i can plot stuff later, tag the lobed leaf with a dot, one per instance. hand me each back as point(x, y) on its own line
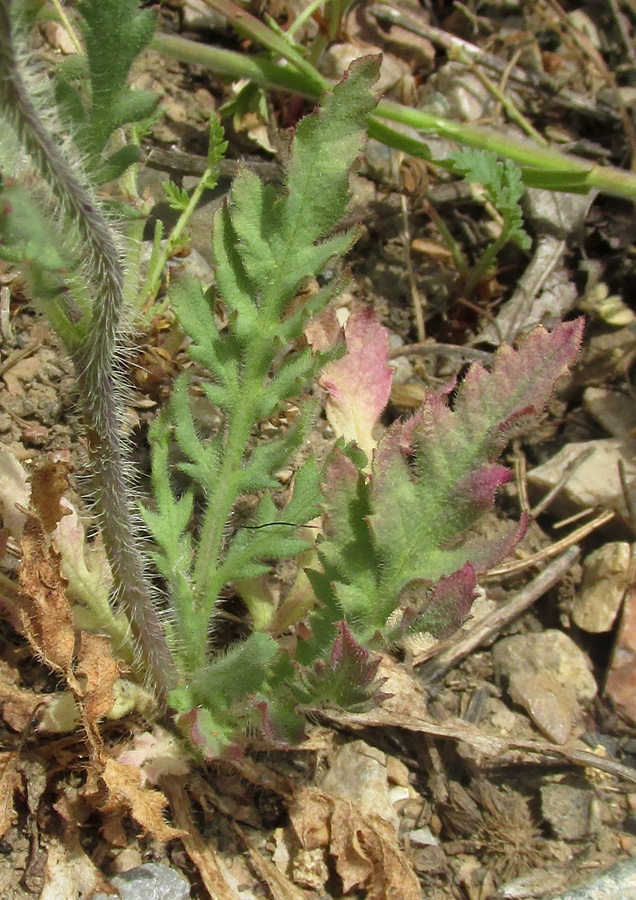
point(114, 33)
point(391, 537)
point(503, 183)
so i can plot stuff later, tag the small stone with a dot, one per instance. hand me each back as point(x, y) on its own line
point(537, 883)
point(549, 676)
point(552, 707)
point(35, 435)
point(430, 860)
point(423, 837)
point(58, 38)
point(129, 858)
point(399, 796)
point(309, 869)
point(358, 772)
point(596, 481)
point(397, 772)
point(615, 411)
point(337, 58)
point(572, 812)
point(617, 882)
point(456, 93)
point(606, 574)
point(149, 882)
point(620, 683)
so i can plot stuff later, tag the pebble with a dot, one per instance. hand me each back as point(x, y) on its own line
point(358, 772)
point(572, 812)
point(596, 481)
point(549, 676)
point(151, 881)
point(620, 683)
point(606, 574)
point(423, 837)
point(615, 411)
point(457, 94)
point(617, 883)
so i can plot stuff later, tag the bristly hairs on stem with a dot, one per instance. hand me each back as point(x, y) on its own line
point(96, 356)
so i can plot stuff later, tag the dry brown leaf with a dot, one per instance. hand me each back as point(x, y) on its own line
point(17, 705)
point(324, 331)
point(365, 849)
point(202, 853)
point(46, 616)
point(49, 483)
point(9, 782)
point(101, 670)
point(113, 831)
point(126, 796)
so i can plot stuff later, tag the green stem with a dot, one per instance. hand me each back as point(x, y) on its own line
point(486, 262)
point(260, 70)
point(159, 260)
point(306, 14)
point(544, 167)
point(98, 371)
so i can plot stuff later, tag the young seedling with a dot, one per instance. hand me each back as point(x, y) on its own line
point(503, 188)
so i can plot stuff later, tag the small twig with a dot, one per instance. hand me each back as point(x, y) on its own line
point(68, 27)
point(459, 258)
point(464, 642)
point(5, 314)
point(622, 27)
point(521, 469)
point(627, 494)
point(493, 747)
point(514, 114)
point(576, 517)
point(520, 564)
point(451, 351)
point(179, 163)
point(416, 301)
point(568, 471)
point(18, 355)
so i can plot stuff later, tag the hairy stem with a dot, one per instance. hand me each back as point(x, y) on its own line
point(98, 371)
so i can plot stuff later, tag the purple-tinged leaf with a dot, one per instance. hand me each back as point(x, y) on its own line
point(426, 499)
point(349, 678)
point(359, 384)
point(521, 379)
point(411, 522)
point(480, 489)
point(211, 738)
point(442, 610)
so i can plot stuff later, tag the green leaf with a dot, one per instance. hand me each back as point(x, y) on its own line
point(267, 244)
point(432, 477)
point(133, 106)
point(25, 234)
point(217, 146)
point(177, 197)
point(504, 187)
point(114, 166)
point(115, 33)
